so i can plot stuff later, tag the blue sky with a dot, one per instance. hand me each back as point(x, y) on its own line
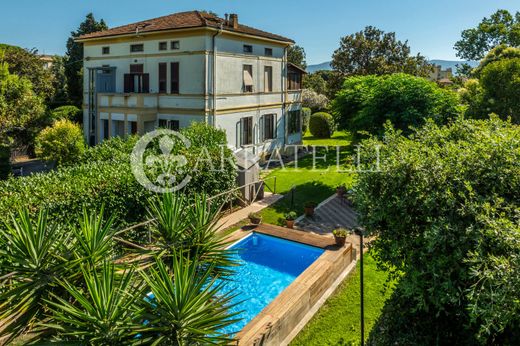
point(431, 27)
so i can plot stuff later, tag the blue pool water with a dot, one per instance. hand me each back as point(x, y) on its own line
point(267, 266)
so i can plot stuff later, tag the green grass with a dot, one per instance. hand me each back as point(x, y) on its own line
point(342, 138)
point(338, 320)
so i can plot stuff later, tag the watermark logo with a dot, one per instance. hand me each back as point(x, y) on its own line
point(156, 164)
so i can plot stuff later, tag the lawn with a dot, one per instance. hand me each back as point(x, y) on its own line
point(343, 138)
point(338, 320)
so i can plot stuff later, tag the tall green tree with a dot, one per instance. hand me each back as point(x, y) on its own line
point(315, 82)
point(59, 82)
point(74, 56)
point(501, 28)
point(296, 55)
point(372, 51)
point(27, 63)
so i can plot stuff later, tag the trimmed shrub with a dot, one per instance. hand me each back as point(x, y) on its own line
point(71, 113)
point(62, 143)
point(321, 125)
point(306, 115)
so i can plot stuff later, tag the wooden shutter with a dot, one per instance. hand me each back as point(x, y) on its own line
point(162, 77)
point(146, 83)
point(175, 78)
point(129, 83)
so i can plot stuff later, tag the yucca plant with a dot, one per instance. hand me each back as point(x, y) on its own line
point(187, 306)
point(190, 225)
point(34, 254)
point(107, 312)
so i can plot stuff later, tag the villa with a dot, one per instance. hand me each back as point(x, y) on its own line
point(187, 67)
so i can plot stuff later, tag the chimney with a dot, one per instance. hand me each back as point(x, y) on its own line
point(227, 19)
point(233, 20)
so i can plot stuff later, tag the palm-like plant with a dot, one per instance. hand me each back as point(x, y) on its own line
point(187, 305)
point(189, 228)
point(34, 256)
point(107, 312)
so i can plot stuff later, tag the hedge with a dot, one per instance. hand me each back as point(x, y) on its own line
point(306, 115)
point(321, 125)
point(105, 177)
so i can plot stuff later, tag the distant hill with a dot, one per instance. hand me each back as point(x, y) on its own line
point(444, 63)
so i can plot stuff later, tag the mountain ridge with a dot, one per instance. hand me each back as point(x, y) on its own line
point(444, 64)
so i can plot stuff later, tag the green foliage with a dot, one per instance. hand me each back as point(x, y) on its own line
point(74, 57)
point(62, 143)
point(296, 55)
point(21, 110)
point(444, 210)
point(315, 81)
point(26, 63)
point(367, 103)
point(372, 51)
point(59, 82)
point(306, 116)
point(321, 125)
point(501, 28)
point(69, 112)
point(500, 52)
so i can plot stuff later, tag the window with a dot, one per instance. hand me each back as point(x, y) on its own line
point(105, 50)
point(105, 129)
point(162, 77)
point(294, 125)
point(137, 81)
point(248, 78)
point(248, 49)
point(133, 127)
point(246, 125)
point(268, 78)
point(175, 78)
point(294, 80)
point(268, 52)
point(175, 45)
point(268, 126)
point(163, 45)
point(169, 124)
point(137, 48)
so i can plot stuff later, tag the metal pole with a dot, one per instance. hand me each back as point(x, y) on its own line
point(359, 232)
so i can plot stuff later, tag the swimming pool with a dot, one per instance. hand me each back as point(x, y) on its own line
point(267, 266)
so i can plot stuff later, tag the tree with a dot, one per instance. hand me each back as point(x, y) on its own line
point(21, 111)
point(366, 103)
point(27, 64)
point(313, 100)
point(74, 57)
point(62, 143)
point(444, 209)
point(501, 28)
point(59, 82)
point(500, 52)
point(296, 55)
point(372, 51)
point(315, 81)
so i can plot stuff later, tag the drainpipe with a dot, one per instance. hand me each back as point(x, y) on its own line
point(284, 96)
point(214, 74)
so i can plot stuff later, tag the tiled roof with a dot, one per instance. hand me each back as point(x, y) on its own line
point(181, 20)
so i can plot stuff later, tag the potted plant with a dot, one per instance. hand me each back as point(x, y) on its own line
point(255, 218)
point(340, 235)
point(309, 208)
point(289, 219)
point(340, 190)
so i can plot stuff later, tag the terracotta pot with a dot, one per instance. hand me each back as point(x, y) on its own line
point(255, 221)
point(309, 211)
point(289, 223)
point(340, 241)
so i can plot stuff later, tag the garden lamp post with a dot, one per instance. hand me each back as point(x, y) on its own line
point(359, 231)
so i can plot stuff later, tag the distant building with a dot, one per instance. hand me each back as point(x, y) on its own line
point(47, 61)
point(439, 74)
point(192, 67)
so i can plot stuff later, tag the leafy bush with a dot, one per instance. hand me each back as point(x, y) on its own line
point(313, 100)
point(103, 177)
point(367, 103)
point(71, 113)
point(444, 209)
point(62, 143)
point(306, 115)
point(321, 125)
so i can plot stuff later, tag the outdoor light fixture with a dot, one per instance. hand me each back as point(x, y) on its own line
point(359, 231)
